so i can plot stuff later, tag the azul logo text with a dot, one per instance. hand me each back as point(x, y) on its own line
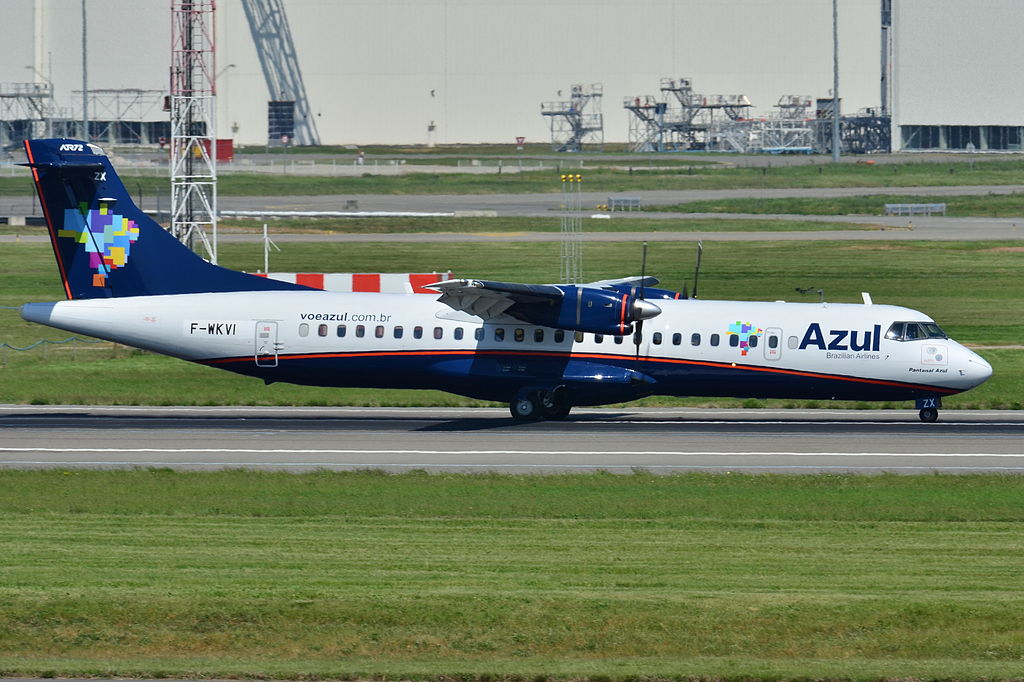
point(840, 339)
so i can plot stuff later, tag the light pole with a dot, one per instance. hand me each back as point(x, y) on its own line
point(836, 143)
point(85, 82)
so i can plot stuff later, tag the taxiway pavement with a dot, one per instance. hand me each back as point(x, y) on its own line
point(473, 440)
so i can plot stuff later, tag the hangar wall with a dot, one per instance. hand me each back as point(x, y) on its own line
point(955, 74)
point(370, 65)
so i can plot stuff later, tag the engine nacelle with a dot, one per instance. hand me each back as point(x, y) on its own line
point(598, 311)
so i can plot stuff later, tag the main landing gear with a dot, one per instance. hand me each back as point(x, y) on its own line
point(532, 405)
point(929, 409)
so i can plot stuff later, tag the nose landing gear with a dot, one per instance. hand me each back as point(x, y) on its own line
point(929, 409)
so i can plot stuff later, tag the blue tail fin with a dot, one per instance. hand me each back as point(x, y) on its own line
point(104, 244)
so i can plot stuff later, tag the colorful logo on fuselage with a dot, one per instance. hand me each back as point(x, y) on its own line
point(107, 236)
point(744, 330)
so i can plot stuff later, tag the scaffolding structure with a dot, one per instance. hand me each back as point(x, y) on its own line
point(578, 120)
point(681, 119)
point(27, 110)
point(120, 115)
point(866, 132)
point(193, 140)
point(789, 129)
point(571, 271)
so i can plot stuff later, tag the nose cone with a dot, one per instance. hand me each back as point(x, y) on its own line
point(978, 368)
point(644, 310)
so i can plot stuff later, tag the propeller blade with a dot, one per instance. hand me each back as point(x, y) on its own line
point(643, 270)
point(696, 272)
point(638, 326)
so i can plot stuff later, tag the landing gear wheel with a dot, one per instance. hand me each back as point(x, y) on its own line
point(929, 414)
point(556, 412)
point(525, 408)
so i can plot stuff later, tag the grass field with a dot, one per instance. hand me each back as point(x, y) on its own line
point(973, 289)
point(599, 179)
point(988, 205)
point(364, 575)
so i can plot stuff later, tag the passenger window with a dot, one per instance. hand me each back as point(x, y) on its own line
point(518, 334)
point(656, 338)
point(773, 342)
point(677, 339)
point(360, 331)
point(478, 333)
point(398, 332)
point(752, 341)
point(694, 339)
point(458, 333)
point(499, 334)
point(379, 331)
point(303, 329)
point(618, 340)
point(578, 336)
point(341, 330)
point(438, 332)
point(734, 340)
point(715, 339)
point(793, 342)
point(559, 335)
point(322, 330)
point(538, 335)
point(417, 332)
point(598, 338)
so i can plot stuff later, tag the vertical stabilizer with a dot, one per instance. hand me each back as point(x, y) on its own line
point(104, 244)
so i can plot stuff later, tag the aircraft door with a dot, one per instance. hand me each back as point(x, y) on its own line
point(772, 343)
point(266, 344)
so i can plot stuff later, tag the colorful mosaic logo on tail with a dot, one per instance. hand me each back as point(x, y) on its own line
point(107, 236)
point(744, 330)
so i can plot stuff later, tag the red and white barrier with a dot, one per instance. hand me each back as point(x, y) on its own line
point(380, 282)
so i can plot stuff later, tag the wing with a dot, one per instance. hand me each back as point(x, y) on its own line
point(581, 308)
point(492, 300)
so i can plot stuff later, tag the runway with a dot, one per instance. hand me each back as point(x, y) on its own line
point(480, 440)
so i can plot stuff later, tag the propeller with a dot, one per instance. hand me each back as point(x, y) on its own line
point(638, 328)
point(696, 272)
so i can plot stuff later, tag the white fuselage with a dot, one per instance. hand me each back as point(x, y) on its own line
point(694, 347)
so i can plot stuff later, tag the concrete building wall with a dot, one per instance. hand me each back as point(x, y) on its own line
point(371, 66)
point(956, 64)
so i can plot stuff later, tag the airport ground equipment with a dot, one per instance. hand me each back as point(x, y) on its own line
point(578, 120)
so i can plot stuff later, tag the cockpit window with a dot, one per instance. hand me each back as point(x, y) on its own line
point(911, 331)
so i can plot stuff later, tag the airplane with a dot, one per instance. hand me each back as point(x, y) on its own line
point(541, 348)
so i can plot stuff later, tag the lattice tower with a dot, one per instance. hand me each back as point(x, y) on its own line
point(193, 124)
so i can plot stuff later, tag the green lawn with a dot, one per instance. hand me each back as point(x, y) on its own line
point(598, 176)
point(463, 577)
point(986, 205)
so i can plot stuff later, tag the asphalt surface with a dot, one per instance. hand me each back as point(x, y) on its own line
point(473, 440)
